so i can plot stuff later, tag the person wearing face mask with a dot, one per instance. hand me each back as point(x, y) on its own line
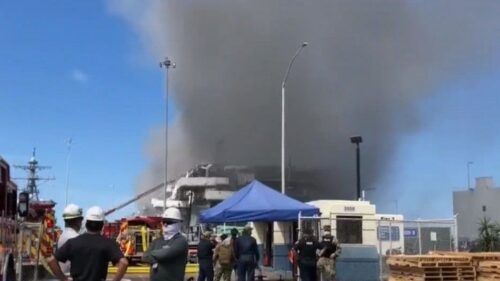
point(167, 255)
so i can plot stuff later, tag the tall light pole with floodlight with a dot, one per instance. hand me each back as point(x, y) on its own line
point(166, 63)
point(357, 140)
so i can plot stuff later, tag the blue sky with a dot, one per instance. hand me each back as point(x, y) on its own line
point(459, 124)
point(75, 70)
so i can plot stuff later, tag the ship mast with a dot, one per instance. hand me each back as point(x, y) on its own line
point(32, 179)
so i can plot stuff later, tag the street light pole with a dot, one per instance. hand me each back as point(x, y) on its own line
point(357, 140)
point(468, 173)
point(68, 143)
point(167, 63)
point(283, 86)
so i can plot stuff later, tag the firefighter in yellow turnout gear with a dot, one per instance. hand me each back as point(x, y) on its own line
point(125, 241)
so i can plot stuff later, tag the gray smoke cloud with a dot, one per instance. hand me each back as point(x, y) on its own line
point(368, 65)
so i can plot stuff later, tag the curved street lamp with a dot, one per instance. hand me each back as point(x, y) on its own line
point(283, 85)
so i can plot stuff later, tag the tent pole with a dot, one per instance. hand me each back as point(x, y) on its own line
point(299, 225)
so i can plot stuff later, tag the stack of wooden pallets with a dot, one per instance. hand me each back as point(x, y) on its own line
point(487, 264)
point(431, 268)
point(488, 271)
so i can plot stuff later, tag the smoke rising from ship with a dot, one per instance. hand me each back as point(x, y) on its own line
point(367, 67)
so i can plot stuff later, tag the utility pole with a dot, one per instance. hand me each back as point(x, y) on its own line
point(68, 143)
point(166, 63)
point(357, 140)
point(468, 174)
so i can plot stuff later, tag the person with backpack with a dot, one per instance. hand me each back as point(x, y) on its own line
point(224, 258)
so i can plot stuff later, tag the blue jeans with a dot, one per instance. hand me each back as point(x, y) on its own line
point(246, 271)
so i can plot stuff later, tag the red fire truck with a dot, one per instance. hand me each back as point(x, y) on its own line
point(8, 225)
point(136, 233)
point(27, 229)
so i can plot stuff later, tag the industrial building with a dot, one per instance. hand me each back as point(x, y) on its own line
point(475, 203)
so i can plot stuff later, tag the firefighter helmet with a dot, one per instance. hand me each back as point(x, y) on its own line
point(95, 214)
point(172, 214)
point(72, 211)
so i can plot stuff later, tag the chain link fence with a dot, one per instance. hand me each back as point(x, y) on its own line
point(390, 234)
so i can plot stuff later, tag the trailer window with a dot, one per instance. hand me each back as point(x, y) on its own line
point(384, 234)
point(349, 230)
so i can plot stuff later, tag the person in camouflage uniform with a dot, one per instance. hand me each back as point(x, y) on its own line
point(224, 259)
point(327, 255)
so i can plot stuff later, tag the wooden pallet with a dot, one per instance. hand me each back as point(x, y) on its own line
point(429, 261)
point(446, 266)
point(476, 257)
point(488, 270)
point(449, 278)
point(432, 268)
point(488, 278)
point(489, 264)
point(448, 275)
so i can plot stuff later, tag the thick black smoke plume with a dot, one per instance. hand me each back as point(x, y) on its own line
point(367, 66)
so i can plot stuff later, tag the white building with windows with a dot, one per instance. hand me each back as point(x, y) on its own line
point(356, 222)
point(471, 205)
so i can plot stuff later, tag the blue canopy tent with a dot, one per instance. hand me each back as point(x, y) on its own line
point(259, 203)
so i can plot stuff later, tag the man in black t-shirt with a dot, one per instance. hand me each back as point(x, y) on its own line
point(90, 253)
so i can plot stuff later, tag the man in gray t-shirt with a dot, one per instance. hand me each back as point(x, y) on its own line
point(73, 217)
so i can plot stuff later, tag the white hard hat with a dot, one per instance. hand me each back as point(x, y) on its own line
point(95, 214)
point(72, 211)
point(172, 214)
